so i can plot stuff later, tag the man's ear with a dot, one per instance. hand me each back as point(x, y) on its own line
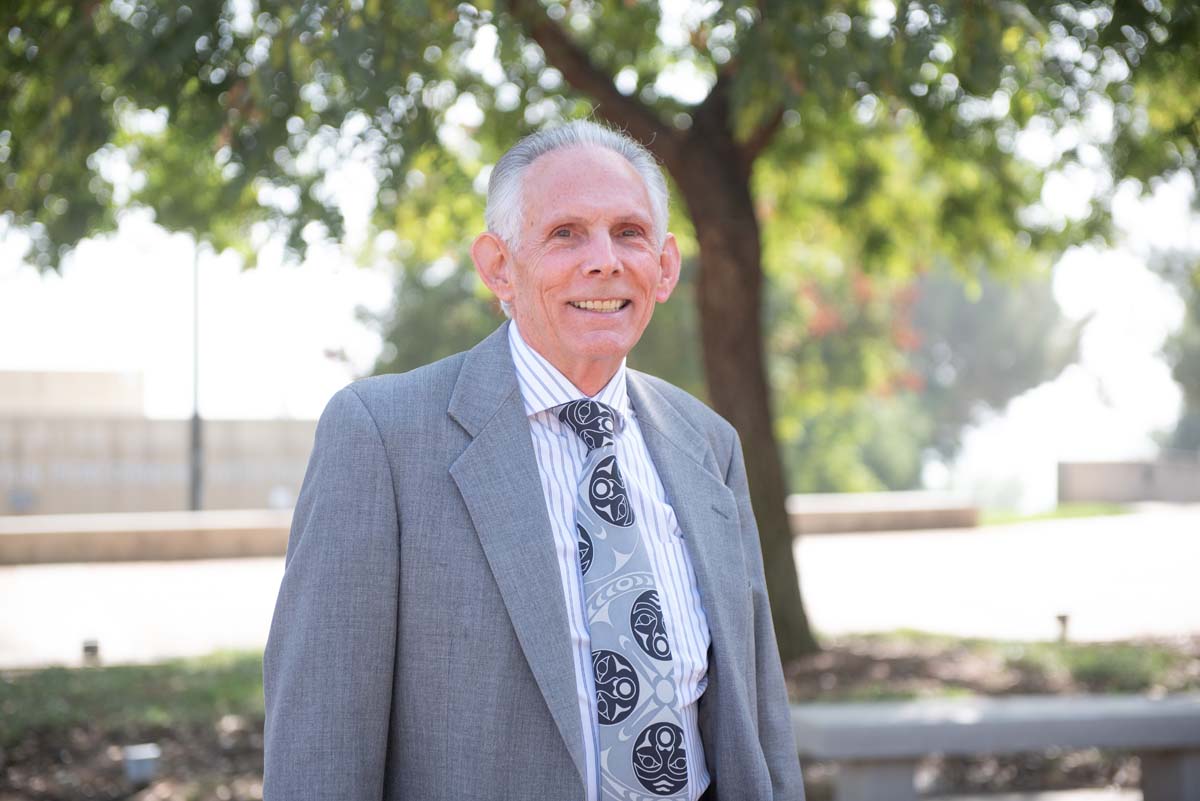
point(494, 264)
point(669, 264)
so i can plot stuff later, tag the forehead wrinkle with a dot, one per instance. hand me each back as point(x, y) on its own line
point(560, 183)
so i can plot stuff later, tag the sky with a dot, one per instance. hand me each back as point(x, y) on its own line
point(124, 303)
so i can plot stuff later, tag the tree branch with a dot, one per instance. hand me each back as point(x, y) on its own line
point(761, 137)
point(718, 95)
point(638, 119)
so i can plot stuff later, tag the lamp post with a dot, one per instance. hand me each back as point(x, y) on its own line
point(196, 465)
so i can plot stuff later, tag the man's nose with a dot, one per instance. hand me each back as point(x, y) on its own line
point(601, 256)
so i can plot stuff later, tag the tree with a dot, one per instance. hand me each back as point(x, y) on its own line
point(824, 138)
point(1183, 351)
point(932, 355)
point(1181, 269)
point(981, 346)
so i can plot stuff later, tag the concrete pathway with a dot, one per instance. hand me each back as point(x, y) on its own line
point(1117, 577)
point(139, 611)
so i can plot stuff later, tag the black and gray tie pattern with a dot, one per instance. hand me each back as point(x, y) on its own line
point(642, 755)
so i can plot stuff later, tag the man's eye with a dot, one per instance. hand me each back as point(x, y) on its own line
point(631, 232)
point(562, 232)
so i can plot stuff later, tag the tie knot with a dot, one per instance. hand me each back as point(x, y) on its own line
point(591, 421)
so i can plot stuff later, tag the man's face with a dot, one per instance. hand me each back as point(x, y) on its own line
point(586, 275)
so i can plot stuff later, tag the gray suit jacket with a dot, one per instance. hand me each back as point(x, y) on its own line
point(419, 648)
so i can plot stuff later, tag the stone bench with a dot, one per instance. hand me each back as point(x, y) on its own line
point(877, 745)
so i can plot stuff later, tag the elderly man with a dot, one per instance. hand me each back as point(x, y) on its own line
point(527, 572)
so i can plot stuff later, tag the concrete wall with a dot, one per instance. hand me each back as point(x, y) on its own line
point(63, 465)
point(852, 512)
point(143, 536)
point(70, 394)
point(1173, 481)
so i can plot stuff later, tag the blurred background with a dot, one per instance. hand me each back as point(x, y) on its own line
point(942, 272)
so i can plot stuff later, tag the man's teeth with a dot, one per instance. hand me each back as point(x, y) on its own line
point(598, 305)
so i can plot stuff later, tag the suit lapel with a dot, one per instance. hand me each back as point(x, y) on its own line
point(498, 477)
point(708, 518)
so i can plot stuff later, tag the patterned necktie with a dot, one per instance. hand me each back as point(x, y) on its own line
point(642, 754)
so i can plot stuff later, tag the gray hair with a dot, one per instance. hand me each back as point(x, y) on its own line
point(504, 209)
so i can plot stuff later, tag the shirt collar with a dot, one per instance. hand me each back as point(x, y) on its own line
point(544, 387)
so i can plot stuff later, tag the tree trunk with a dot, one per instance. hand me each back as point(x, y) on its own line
point(712, 175)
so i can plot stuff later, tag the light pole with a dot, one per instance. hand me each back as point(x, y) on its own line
point(196, 466)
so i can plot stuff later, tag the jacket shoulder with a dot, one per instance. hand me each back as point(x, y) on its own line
point(695, 410)
point(414, 395)
point(714, 428)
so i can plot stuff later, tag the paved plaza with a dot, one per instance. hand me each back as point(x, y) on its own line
point(1115, 577)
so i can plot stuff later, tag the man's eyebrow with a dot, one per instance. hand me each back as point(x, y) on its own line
point(625, 218)
point(635, 218)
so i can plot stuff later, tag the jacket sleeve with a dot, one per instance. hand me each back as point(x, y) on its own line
point(774, 716)
point(327, 669)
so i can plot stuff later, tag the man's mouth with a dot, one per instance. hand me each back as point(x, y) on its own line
point(600, 305)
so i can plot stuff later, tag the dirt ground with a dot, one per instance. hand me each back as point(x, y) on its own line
point(222, 760)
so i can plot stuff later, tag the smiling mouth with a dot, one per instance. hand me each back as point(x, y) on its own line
point(600, 305)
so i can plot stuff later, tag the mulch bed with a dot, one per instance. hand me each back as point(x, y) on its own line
point(218, 762)
point(866, 667)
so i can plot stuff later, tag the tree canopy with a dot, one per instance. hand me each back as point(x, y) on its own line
point(277, 91)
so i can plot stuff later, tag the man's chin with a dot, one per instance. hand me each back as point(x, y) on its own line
point(601, 345)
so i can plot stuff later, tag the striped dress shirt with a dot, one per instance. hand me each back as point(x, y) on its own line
point(560, 455)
